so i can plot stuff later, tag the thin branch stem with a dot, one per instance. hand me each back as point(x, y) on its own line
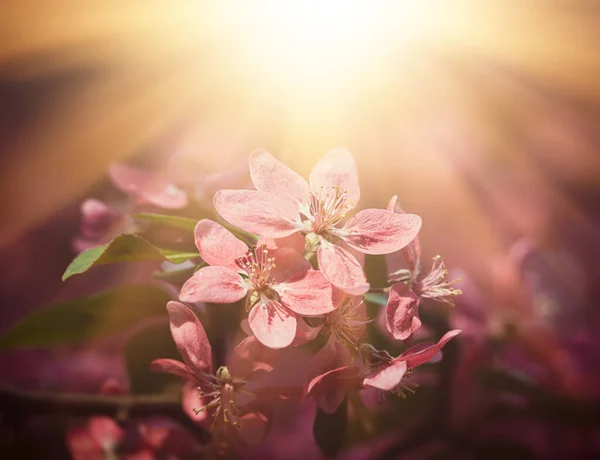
point(19, 404)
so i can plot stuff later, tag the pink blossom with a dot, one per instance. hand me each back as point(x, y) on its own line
point(147, 186)
point(385, 373)
point(284, 203)
point(388, 374)
point(279, 284)
point(220, 392)
point(411, 287)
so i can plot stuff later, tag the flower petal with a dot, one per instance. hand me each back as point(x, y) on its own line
point(387, 376)
point(305, 333)
point(272, 176)
point(251, 359)
point(336, 168)
point(329, 389)
point(253, 428)
point(377, 231)
point(174, 367)
point(289, 264)
point(213, 284)
point(234, 178)
point(412, 252)
point(217, 245)
point(332, 355)
point(190, 337)
point(402, 312)
point(293, 241)
point(106, 432)
point(190, 400)
point(341, 269)
point(147, 185)
point(308, 295)
point(424, 352)
point(272, 216)
point(274, 326)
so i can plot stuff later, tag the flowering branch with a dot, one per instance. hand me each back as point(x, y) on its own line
point(20, 404)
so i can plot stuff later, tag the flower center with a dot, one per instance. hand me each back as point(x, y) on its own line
point(346, 322)
point(258, 266)
point(222, 400)
point(436, 286)
point(328, 208)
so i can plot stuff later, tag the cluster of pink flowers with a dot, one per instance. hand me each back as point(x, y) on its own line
point(302, 282)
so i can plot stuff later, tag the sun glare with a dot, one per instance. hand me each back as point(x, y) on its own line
point(307, 51)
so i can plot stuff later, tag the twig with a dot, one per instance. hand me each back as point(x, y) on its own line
point(19, 404)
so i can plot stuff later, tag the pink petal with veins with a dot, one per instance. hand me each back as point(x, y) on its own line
point(402, 312)
point(341, 269)
point(387, 376)
point(174, 367)
point(377, 231)
point(289, 264)
point(217, 245)
point(411, 253)
point(424, 352)
point(336, 168)
point(274, 326)
point(189, 337)
point(213, 284)
point(272, 176)
point(272, 216)
point(293, 241)
point(308, 295)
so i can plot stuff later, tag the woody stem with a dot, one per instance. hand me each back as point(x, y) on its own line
point(18, 405)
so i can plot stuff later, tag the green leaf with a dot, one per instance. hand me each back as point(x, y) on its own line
point(330, 430)
point(177, 276)
point(124, 248)
point(183, 223)
point(79, 320)
point(151, 343)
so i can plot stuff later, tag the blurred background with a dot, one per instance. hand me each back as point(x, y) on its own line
point(483, 117)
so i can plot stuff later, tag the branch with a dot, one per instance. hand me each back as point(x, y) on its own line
point(19, 404)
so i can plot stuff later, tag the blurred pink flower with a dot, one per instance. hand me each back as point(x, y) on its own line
point(284, 203)
point(147, 186)
point(279, 286)
point(100, 222)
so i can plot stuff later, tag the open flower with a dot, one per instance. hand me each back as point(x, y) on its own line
point(388, 372)
point(383, 372)
point(279, 284)
point(221, 392)
point(411, 286)
point(284, 203)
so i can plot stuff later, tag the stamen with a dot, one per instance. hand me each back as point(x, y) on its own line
point(258, 266)
point(328, 208)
